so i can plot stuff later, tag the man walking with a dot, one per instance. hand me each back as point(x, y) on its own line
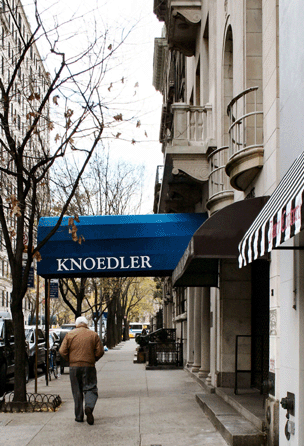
point(81, 347)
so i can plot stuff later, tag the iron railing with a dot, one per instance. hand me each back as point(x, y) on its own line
point(165, 354)
point(162, 348)
point(246, 122)
point(218, 179)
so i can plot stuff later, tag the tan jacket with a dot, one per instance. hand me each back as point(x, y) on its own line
point(81, 347)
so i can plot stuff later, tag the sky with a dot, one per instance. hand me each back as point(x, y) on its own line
point(127, 86)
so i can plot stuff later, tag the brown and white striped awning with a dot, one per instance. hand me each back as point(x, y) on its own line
point(281, 218)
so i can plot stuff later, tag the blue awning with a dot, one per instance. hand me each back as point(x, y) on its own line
point(116, 246)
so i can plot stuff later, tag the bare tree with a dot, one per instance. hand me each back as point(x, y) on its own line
point(27, 158)
point(107, 188)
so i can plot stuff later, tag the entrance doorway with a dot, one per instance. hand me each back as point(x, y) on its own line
point(259, 323)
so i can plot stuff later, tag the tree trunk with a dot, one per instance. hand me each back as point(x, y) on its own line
point(111, 325)
point(19, 335)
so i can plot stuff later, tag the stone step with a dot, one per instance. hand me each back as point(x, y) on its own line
point(235, 429)
point(247, 413)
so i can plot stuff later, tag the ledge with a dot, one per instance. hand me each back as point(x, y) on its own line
point(243, 167)
point(182, 18)
point(220, 200)
point(181, 317)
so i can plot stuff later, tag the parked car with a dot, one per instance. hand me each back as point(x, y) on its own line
point(7, 353)
point(30, 335)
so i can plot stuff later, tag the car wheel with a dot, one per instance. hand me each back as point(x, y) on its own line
point(2, 379)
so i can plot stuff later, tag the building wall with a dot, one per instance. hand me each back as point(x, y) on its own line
point(237, 47)
point(291, 265)
point(235, 299)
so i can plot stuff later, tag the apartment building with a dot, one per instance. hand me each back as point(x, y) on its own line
point(226, 148)
point(29, 86)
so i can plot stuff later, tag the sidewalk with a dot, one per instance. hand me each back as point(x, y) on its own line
point(135, 408)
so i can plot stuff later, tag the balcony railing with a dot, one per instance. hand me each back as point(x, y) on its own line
point(218, 179)
point(246, 122)
point(187, 123)
point(192, 124)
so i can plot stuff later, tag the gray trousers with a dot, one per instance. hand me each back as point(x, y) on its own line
point(83, 382)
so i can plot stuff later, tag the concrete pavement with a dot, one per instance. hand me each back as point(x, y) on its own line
point(136, 407)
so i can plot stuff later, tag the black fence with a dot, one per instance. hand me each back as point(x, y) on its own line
point(161, 348)
point(165, 354)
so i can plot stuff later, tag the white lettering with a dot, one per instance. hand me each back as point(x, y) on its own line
point(109, 262)
point(134, 260)
point(89, 263)
point(61, 264)
point(85, 263)
point(122, 263)
point(145, 261)
point(100, 264)
point(73, 261)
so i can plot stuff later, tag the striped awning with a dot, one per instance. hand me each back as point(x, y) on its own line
point(281, 218)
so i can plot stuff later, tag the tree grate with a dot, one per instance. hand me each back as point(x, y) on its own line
point(35, 402)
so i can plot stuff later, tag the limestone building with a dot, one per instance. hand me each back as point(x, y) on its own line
point(217, 67)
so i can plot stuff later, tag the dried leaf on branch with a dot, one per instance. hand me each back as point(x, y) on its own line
point(37, 256)
point(118, 117)
point(55, 99)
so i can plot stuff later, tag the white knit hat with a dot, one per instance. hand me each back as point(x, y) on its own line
point(81, 320)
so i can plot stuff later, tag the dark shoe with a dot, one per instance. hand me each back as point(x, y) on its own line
point(89, 413)
point(79, 421)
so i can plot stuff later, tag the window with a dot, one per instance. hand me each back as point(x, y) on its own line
point(180, 300)
point(3, 299)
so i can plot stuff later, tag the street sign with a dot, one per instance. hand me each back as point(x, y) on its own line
point(30, 280)
point(54, 288)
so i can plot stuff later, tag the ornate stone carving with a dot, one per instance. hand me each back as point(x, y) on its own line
point(196, 168)
point(192, 16)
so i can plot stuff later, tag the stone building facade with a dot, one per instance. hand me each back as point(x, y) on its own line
point(31, 79)
point(217, 67)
